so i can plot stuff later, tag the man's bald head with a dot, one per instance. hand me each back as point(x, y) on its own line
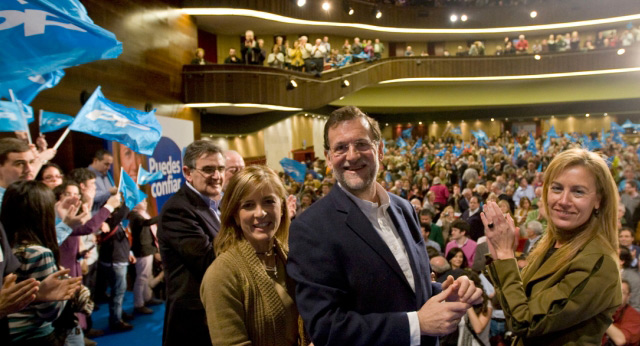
point(234, 164)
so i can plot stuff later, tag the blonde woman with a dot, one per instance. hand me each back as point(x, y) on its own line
point(570, 288)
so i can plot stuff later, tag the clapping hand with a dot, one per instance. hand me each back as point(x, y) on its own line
point(58, 286)
point(16, 296)
point(500, 232)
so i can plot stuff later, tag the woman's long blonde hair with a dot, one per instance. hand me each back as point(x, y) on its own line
point(602, 225)
point(240, 186)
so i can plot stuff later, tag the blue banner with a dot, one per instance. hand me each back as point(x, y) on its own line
point(457, 151)
point(516, 150)
point(50, 121)
point(130, 191)
point(616, 128)
point(442, 152)
point(456, 131)
point(108, 120)
point(296, 170)
point(421, 163)
point(628, 125)
point(26, 89)
point(618, 139)
point(532, 145)
point(144, 177)
point(552, 133)
point(505, 151)
point(400, 143)
point(416, 146)
point(407, 133)
point(546, 144)
point(42, 36)
point(10, 117)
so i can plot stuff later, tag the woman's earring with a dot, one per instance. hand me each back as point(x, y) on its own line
point(597, 211)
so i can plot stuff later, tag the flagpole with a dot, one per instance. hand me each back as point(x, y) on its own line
point(40, 123)
point(64, 135)
point(24, 118)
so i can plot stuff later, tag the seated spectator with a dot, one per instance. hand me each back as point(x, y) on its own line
point(409, 51)
point(625, 329)
point(457, 259)
point(509, 49)
point(472, 217)
point(561, 44)
point(426, 231)
point(537, 47)
point(275, 58)
point(534, 233)
point(520, 216)
point(51, 175)
point(630, 275)
point(199, 58)
point(459, 230)
point(522, 46)
point(475, 325)
point(232, 58)
point(426, 217)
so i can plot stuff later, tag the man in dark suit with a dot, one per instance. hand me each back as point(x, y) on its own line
point(472, 217)
point(358, 258)
point(189, 222)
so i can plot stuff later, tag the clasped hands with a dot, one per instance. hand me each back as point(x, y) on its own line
point(441, 314)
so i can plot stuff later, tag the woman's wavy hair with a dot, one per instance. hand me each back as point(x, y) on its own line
point(602, 225)
point(242, 184)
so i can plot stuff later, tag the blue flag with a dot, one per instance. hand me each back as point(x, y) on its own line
point(616, 128)
point(296, 170)
point(416, 146)
point(108, 120)
point(421, 163)
point(516, 151)
point(130, 191)
point(400, 143)
point(144, 177)
point(442, 152)
point(618, 139)
point(42, 36)
point(26, 89)
point(456, 131)
point(10, 117)
point(594, 144)
point(51, 121)
point(387, 177)
point(539, 167)
point(628, 125)
point(505, 151)
point(532, 145)
point(552, 133)
point(546, 144)
point(407, 133)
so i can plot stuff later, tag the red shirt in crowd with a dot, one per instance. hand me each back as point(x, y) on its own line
point(627, 319)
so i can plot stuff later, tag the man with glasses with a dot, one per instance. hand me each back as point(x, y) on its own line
point(234, 163)
point(189, 222)
point(358, 256)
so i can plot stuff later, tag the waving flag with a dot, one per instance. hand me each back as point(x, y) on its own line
point(10, 117)
point(539, 167)
point(442, 152)
point(407, 133)
point(532, 145)
point(27, 88)
point(421, 163)
point(552, 133)
point(456, 131)
point(144, 177)
point(616, 128)
point(108, 120)
point(43, 36)
point(618, 139)
point(505, 151)
point(130, 191)
point(296, 170)
point(400, 143)
point(416, 146)
point(546, 144)
point(51, 121)
point(516, 151)
point(628, 125)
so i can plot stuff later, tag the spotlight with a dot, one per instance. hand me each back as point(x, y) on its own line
point(453, 18)
point(345, 83)
point(464, 17)
point(292, 84)
point(326, 6)
point(301, 3)
point(621, 51)
point(420, 123)
point(587, 115)
point(387, 124)
point(378, 14)
point(492, 119)
point(606, 114)
point(533, 14)
point(351, 11)
point(537, 57)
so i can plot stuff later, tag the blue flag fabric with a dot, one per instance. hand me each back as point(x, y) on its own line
point(26, 89)
point(42, 36)
point(145, 177)
point(618, 139)
point(416, 146)
point(516, 151)
point(108, 120)
point(387, 177)
point(10, 117)
point(421, 163)
point(552, 133)
point(51, 121)
point(532, 145)
point(628, 125)
point(539, 167)
point(456, 131)
point(594, 144)
point(296, 170)
point(546, 144)
point(442, 152)
point(407, 133)
point(616, 128)
point(400, 143)
point(505, 151)
point(130, 191)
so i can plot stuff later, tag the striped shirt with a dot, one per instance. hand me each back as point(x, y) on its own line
point(35, 320)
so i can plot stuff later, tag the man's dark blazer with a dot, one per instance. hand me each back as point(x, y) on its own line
point(350, 288)
point(185, 235)
point(476, 227)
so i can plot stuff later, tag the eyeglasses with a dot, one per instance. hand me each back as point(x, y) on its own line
point(208, 171)
point(361, 145)
point(52, 177)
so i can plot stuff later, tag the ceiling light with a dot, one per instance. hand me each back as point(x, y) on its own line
point(378, 14)
point(537, 57)
point(386, 124)
point(453, 18)
point(587, 115)
point(351, 11)
point(341, 98)
point(464, 17)
point(292, 84)
point(492, 119)
point(326, 6)
point(621, 51)
point(301, 3)
point(419, 122)
point(606, 114)
point(242, 105)
point(533, 14)
point(345, 83)
point(506, 119)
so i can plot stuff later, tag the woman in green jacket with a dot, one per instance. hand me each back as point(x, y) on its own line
point(570, 289)
point(247, 295)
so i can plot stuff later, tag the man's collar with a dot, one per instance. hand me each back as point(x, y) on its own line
point(211, 202)
point(383, 197)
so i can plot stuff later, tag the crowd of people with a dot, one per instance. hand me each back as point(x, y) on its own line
point(244, 252)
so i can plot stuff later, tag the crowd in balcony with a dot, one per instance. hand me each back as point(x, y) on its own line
point(449, 180)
